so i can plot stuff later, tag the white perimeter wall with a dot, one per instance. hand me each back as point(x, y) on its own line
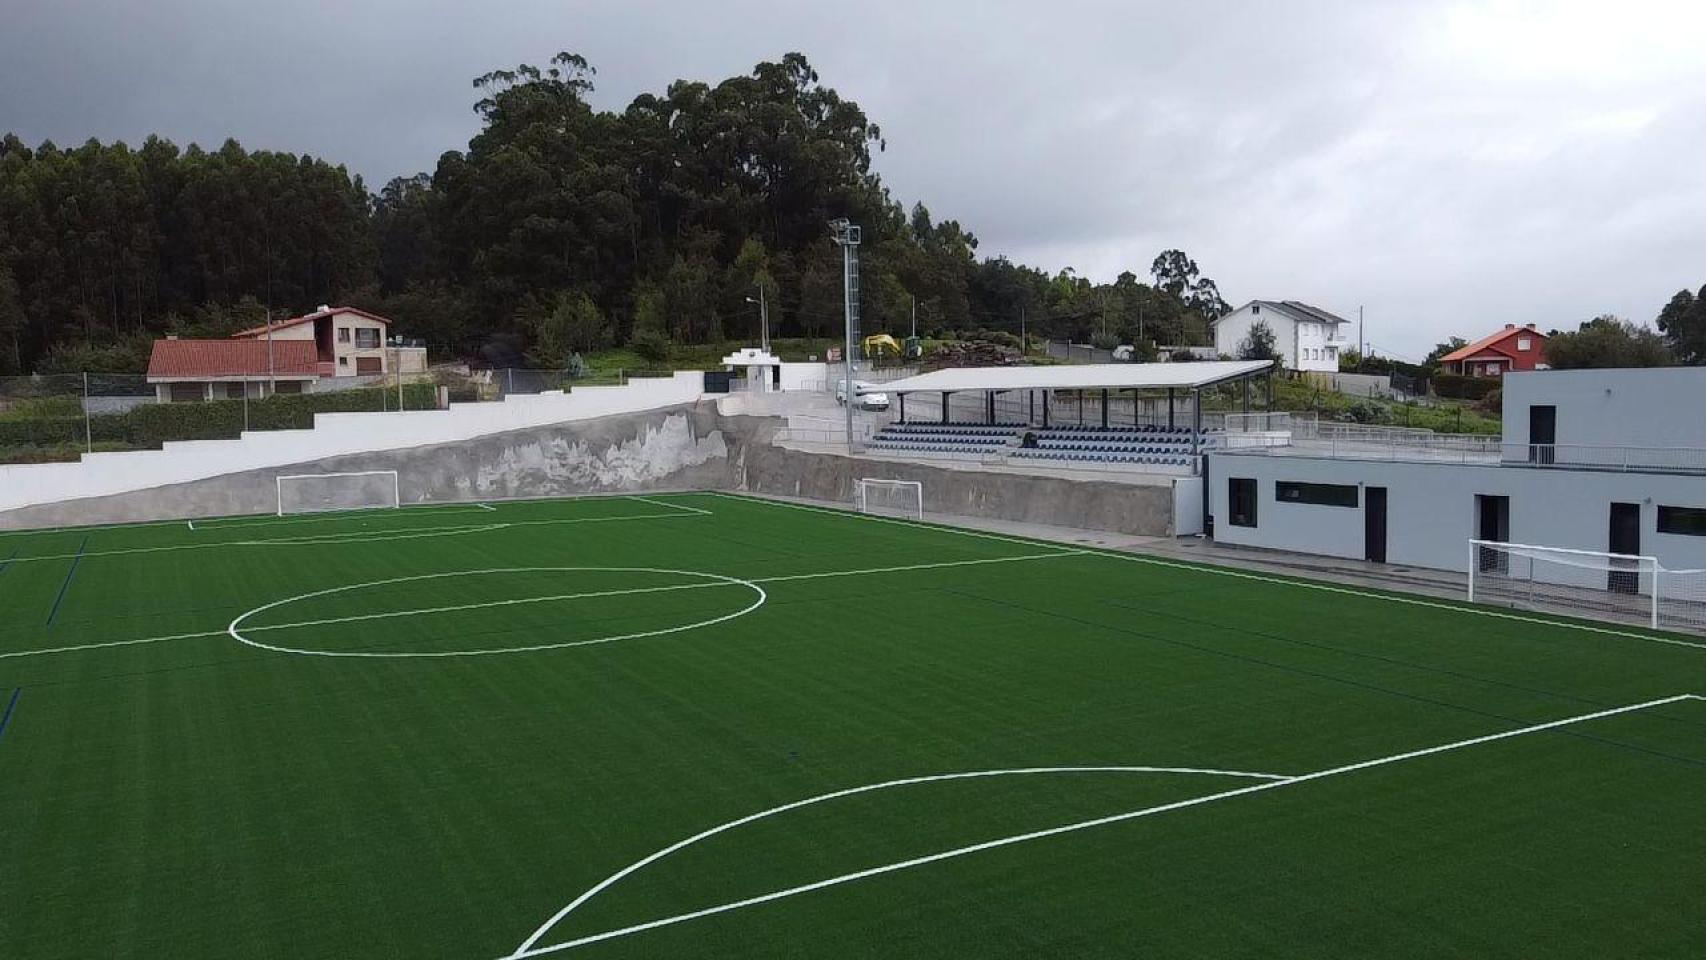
point(1430, 512)
point(333, 434)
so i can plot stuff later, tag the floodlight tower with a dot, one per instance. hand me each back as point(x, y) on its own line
point(847, 237)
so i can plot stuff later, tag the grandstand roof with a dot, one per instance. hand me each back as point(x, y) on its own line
point(1089, 376)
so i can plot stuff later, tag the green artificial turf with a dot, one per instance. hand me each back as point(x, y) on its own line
point(202, 797)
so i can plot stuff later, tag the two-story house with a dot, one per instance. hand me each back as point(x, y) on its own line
point(1306, 338)
point(1512, 349)
point(297, 355)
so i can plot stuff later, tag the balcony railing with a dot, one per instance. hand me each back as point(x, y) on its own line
point(1571, 456)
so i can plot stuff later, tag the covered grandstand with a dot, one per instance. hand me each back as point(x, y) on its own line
point(1143, 414)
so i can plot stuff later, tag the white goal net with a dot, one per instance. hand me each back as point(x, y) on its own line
point(323, 492)
point(892, 498)
point(1586, 583)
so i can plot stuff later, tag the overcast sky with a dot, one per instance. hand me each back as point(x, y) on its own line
point(1449, 166)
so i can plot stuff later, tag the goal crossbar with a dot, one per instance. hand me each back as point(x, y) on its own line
point(366, 482)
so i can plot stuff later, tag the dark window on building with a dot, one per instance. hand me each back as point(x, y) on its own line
point(1688, 521)
point(366, 338)
point(1241, 502)
point(343, 334)
point(1320, 494)
point(234, 391)
point(289, 386)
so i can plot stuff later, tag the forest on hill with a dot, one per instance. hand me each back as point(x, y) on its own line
point(559, 228)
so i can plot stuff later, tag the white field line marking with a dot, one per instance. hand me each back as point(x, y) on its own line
point(482, 652)
point(238, 524)
point(191, 524)
point(97, 527)
point(554, 598)
point(717, 581)
point(111, 643)
point(486, 506)
point(665, 503)
point(528, 950)
point(404, 533)
point(1243, 575)
point(676, 847)
point(497, 603)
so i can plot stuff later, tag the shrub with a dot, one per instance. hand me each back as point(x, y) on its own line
point(651, 346)
point(1463, 388)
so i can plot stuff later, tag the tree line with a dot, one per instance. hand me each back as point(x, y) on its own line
point(560, 228)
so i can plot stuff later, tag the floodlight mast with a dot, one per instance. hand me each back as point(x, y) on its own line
point(847, 237)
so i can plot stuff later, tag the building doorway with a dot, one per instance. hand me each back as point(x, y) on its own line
point(1374, 524)
point(1625, 538)
point(1493, 524)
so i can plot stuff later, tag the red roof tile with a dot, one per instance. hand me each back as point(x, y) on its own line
point(212, 359)
point(1465, 353)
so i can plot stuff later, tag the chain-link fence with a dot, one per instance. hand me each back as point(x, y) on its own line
point(60, 417)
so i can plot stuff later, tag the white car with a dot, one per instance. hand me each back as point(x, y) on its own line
point(868, 398)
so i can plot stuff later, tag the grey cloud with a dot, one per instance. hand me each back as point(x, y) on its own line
point(1453, 166)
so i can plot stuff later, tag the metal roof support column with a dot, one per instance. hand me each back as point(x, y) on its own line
point(989, 405)
point(1104, 408)
point(1031, 398)
point(902, 408)
point(1169, 408)
point(1196, 422)
point(945, 405)
point(1246, 394)
point(1046, 405)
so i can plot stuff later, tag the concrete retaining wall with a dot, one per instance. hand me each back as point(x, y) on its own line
point(334, 435)
point(683, 447)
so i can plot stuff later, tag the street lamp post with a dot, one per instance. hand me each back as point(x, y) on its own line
point(847, 238)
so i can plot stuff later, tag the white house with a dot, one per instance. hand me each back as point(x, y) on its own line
point(1305, 337)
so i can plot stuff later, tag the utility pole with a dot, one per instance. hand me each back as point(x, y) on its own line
point(1361, 349)
point(763, 319)
point(847, 238)
point(1024, 345)
point(914, 315)
point(272, 378)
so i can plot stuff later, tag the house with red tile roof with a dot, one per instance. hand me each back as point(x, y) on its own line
point(1511, 349)
point(297, 355)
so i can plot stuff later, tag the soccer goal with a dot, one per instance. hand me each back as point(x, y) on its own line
point(323, 492)
point(894, 498)
point(1585, 583)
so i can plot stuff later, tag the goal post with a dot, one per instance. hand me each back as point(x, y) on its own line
point(327, 492)
point(1587, 583)
point(894, 498)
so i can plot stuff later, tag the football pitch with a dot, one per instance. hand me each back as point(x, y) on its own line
point(703, 725)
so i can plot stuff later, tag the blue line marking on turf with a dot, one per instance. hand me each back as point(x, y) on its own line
point(67, 584)
point(13, 705)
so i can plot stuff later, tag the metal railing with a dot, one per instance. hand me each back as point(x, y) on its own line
point(1623, 459)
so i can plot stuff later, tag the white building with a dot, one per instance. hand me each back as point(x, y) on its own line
point(1596, 460)
point(1305, 337)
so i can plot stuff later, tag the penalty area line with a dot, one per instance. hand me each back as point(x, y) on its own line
point(696, 511)
point(527, 950)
